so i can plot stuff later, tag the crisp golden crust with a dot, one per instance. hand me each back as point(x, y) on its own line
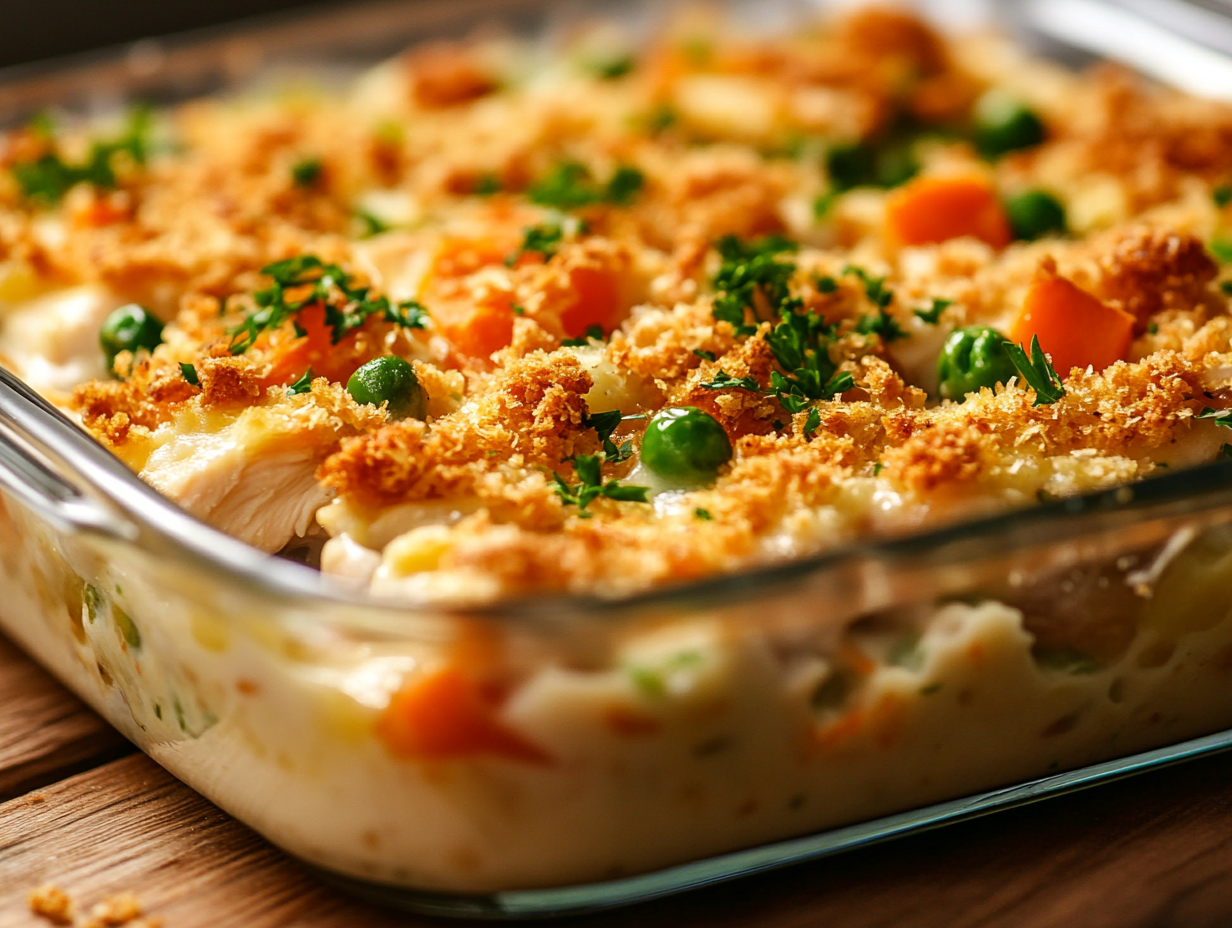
point(524, 214)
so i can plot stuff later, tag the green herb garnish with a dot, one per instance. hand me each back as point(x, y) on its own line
point(1222, 195)
point(542, 239)
point(812, 423)
point(307, 281)
point(306, 172)
point(190, 374)
point(1037, 371)
point(372, 224)
point(747, 268)
point(703, 514)
point(724, 381)
point(486, 185)
point(604, 424)
point(932, 315)
point(592, 486)
point(303, 385)
point(571, 186)
point(47, 179)
point(704, 355)
point(593, 333)
point(1221, 416)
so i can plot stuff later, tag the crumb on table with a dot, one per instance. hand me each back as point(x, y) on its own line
point(52, 903)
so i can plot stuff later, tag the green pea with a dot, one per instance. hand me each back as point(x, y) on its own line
point(1035, 214)
point(972, 358)
point(685, 445)
point(390, 380)
point(1003, 124)
point(129, 328)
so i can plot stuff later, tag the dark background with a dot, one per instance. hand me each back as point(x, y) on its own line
point(34, 29)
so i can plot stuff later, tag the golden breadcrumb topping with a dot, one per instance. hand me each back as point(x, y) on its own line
point(634, 313)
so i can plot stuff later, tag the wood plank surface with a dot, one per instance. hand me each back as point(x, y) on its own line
point(46, 733)
point(1154, 851)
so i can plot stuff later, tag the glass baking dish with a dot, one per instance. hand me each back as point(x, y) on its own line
point(691, 733)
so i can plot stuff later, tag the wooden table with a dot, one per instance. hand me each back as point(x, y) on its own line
point(80, 808)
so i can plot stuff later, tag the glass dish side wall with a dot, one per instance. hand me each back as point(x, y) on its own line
point(667, 734)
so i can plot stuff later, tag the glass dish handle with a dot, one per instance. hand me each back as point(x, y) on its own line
point(33, 438)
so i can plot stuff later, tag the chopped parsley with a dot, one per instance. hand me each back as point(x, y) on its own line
point(1037, 371)
point(486, 185)
point(812, 423)
point(752, 272)
point(604, 424)
point(592, 486)
point(1226, 287)
point(882, 323)
point(703, 514)
point(372, 224)
point(545, 239)
point(1152, 328)
point(307, 281)
point(611, 68)
point(48, 178)
point(1222, 195)
point(724, 381)
point(1222, 250)
point(303, 385)
point(190, 374)
point(306, 172)
point(593, 333)
point(704, 355)
point(749, 268)
point(659, 119)
point(877, 468)
point(825, 284)
point(932, 315)
point(1221, 416)
point(571, 186)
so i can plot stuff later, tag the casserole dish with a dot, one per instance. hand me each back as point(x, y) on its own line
point(668, 726)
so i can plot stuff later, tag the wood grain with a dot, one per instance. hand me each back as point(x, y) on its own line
point(46, 734)
point(131, 826)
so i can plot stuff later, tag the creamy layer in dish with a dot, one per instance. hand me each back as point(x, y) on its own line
point(605, 314)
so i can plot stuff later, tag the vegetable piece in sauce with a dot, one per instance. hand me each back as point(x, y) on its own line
point(1003, 124)
point(972, 358)
point(129, 328)
point(1075, 328)
point(390, 380)
point(685, 445)
point(1035, 214)
point(930, 210)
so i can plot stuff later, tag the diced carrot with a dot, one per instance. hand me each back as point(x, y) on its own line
point(598, 301)
point(457, 257)
point(488, 328)
point(1073, 327)
point(935, 209)
point(445, 715)
point(842, 730)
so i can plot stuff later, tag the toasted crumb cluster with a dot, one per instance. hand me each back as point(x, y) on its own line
point(783, 234)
